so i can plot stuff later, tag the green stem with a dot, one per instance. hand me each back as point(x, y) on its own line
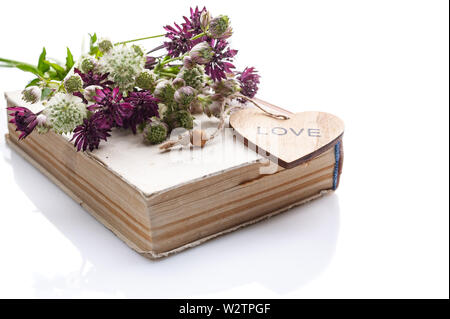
point(171, 60)
point(198, 36)
point(171, 75)
point(140, 39)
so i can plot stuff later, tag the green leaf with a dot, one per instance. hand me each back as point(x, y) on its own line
point(42, 67)
point(69, 60)
point(93, 38)
point(59, 72)
point(93, 49)
point(55, 66)
point(28, 68)
point(33, 82)
point(21, 66)
point(45, 93)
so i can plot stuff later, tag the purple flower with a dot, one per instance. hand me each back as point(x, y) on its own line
point(249, 80)
point(89, 134)
point(24, 119)
point(180, 35)
point(150, 62)
point(91, 78)
point(220, 62)
point(114, 111)
point(145, 107)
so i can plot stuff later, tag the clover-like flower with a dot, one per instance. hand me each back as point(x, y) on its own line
point(65, 112)
point(123, 65)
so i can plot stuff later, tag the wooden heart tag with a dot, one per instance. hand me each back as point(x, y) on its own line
point(288, 142)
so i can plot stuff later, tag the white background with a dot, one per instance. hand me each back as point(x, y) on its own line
point(382, 66)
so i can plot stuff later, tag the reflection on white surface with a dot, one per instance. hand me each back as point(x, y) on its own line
point(281, 254)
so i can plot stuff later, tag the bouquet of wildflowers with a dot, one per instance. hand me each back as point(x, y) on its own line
point(122, 85)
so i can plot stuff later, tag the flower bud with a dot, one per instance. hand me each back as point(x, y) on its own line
point(137, 49)
point(178, 83)
point(41, 119)
point(164, 91)
point(146, 80)
point(73, 83)
point(43, 125)
point(162, 109)
point(184, 95)
point(179, 119)
point(31, 94)
point(201, 53)
point(198, 138)
point(216, 108)
point(220, 28)
point(196, 107)
point(226, 87)
point(105, 45)
point(87, 65)
point(188, 63)
point(205, 20)
point(155, 132)
point(150, 62)
point(90, 92)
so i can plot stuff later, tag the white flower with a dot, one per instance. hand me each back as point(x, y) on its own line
point(65, 112)
point(123, 64)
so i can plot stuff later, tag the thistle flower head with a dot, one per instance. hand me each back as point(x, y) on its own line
point(146, 80)
point(178, 83)
point(156, 132)
point(184, 95)
point(216, 107)
point(185, 119)
point(193, 77)
point(226, 88)
point(104, 45)
point(65, 112)
point(181, 118)
point(165, 91)
point(113, 110)
point(24, 120)
point(73, 83)
point(145, 106)
point(201, 53)
point(123, 65)
point(188, 63)
point(220, 28)
point(31, 94)
point(249, 80)
point(87, 65)
point(88, 134)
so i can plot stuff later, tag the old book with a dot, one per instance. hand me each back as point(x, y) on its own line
point(163, 202)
